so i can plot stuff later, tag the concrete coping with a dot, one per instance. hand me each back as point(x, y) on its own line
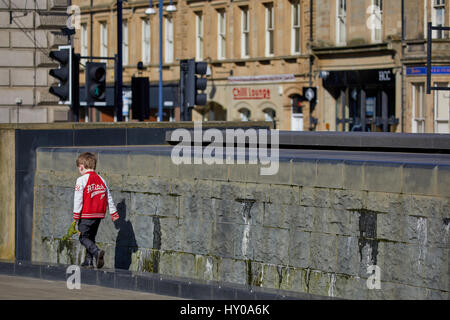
point(154, 283)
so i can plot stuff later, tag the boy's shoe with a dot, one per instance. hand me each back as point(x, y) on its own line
point(100, 261)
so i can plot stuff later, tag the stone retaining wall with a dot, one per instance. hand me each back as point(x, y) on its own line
point(315, 227)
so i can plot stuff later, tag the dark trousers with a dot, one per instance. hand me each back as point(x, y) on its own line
point(88, 230)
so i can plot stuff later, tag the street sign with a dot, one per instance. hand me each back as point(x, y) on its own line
point(310, 94)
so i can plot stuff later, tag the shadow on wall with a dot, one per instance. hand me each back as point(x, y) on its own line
point(126, 241)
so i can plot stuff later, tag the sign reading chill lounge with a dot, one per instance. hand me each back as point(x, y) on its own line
point(246, 93)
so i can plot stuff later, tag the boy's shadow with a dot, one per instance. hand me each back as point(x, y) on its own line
point(125, 241)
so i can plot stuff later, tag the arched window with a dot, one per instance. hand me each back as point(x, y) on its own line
point(245, 114)
point(269, 114)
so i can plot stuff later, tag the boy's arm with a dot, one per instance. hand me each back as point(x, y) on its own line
point(78, 199)
point(112, 207)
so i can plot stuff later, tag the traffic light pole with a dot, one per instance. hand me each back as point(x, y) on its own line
point(119, 67)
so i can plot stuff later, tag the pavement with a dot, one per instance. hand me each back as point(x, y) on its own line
point(25, 288)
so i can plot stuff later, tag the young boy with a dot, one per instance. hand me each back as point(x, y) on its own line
point(91, 198)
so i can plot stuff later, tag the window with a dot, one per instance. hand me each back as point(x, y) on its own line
point(441, 110)
point(103, 40)
point(168, 39)
point(245, 32)
point(418, 105)
point(269, 114)
point(146, 48)
point(295, 31)
point(84, 42)
point(438, 17)
point(245, 114)
point(377, 20)
point(269, 30)
point(221, 35)
point(199, 36)
point(341, 21)
point(125, 43)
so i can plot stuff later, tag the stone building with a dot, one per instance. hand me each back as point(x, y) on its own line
point(256, 52)
point(28, 31)
point(366, 58)
point(371, 66)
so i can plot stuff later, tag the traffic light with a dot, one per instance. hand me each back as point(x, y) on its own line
point(95, 82)
point(63, 73)
point(194, 83)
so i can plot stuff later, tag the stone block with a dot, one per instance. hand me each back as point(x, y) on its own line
point(15, 58)
point(438, 233)
point(171, 236)
point(289, 195)
point(420, 180)
point(315, 197)
point(108, 233)
point(323, 252)
point(394, 203)
point(385, 178)
point(61, 220)
point(191, 206)
point(244, 241)
point(44, 160)
point(112, 163)
point(282, 176)
point(233, 271)
point(276, 215)
point(223, 240)
point(257, 192)
point(166, 168)
point(348, 199)
point(206, 267)
point(63, 160)
point(4, 75)
point(352, 175)
point(213, 172)
point(142, 164)
point(428, 267)
point(36, 39)
point(329, 174)
point(443, 181)
point(304, 173)
point(415, 230)
point(9, 96)
point(350, 287)
point(244, 173)
point(299, 248)
point(145, 184)
point(426, 206)
point(391, 226)
point(334, 221)
point(319, 283)
point(145, 204)
point(197, 236)
point(271, 245)
point(301, 217)
point(294, 280)
point(347, 255)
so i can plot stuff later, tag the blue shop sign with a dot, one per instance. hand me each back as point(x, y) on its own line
point(422, 71)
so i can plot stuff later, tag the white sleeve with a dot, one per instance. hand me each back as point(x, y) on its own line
point(111, 205)
point(78, 197)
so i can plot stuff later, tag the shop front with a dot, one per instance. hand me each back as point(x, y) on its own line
point(252, 98)
point(364, 99)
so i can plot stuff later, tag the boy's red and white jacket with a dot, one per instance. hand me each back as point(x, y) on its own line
point(92, 197)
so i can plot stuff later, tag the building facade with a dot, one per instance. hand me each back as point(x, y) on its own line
point(28, 32)
point(370, 61)
point(256, 52)
point(365, 57)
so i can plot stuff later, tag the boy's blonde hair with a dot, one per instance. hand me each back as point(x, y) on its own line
point(88, 160)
